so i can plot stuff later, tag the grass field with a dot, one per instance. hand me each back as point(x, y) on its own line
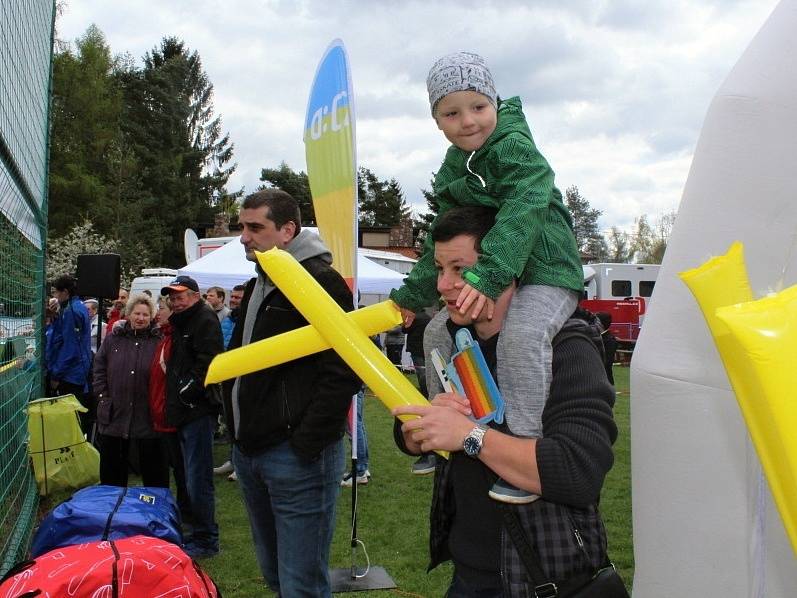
point(393, 515)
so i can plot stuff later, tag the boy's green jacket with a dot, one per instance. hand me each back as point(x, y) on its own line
point(532, 239)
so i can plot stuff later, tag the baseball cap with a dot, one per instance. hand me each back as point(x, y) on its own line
point(180, 284)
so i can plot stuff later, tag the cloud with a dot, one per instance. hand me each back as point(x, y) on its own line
point(615, 90)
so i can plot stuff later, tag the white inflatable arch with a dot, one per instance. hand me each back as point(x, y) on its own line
point(704, 520)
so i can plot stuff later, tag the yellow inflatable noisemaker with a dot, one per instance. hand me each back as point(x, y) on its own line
point(757, 341)
point(339, 331)
point(296, 344)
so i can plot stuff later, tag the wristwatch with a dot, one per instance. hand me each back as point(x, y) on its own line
point(472, 445)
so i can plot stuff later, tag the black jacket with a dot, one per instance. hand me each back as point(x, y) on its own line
point(196, 340)
point(306, 400)
point(573, 457)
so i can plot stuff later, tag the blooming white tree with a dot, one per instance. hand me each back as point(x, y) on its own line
point(62, 252)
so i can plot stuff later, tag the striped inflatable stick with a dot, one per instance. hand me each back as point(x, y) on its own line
point(470, 375)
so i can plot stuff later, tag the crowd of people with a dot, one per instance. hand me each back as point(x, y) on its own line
point(515, 505)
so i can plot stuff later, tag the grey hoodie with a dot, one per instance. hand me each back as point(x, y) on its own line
point(305, 245)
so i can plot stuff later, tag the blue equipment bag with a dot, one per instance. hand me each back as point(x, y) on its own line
point(109, 513)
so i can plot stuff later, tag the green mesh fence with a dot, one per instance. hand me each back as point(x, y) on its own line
point(25, 64)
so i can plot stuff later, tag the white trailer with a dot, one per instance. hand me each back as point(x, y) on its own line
point(619, 281)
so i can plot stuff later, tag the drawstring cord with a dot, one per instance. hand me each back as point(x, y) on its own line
point(467, 165)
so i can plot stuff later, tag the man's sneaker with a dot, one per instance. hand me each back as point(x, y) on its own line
point(425, 465)
point(361, 478)
point(503, 491)
point(199, 552)
point(224, 469)
point(233, 477)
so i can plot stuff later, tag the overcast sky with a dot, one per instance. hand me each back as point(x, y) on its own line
point(615, 92)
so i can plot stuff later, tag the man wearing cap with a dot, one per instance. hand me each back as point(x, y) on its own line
point(288, 421)
point(192, 408)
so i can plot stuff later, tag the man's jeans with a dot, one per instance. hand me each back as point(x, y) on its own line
point(196, 442)
point(291, 507)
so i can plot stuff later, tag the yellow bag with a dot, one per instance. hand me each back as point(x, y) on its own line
point(62, 457)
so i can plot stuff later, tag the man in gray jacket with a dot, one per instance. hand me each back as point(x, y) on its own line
point(288, 421)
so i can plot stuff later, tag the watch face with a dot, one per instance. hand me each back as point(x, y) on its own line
point(472, 446)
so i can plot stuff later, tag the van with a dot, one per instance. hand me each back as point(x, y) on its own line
point(152, 280)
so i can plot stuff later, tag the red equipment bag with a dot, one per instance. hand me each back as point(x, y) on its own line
point(135, 567)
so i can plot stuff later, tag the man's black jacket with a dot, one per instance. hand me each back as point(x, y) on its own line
point(305, 400)
point(196, 340)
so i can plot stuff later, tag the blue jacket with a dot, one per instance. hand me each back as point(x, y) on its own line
point(228, 325)
point(68, 353)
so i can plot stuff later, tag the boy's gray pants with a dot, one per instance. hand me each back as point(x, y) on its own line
point(524, 353)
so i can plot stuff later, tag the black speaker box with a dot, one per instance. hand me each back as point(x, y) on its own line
point(98, 275)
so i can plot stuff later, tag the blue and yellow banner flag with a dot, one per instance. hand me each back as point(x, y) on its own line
point(331, 158)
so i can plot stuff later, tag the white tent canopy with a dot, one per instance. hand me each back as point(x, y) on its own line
point(228, 266)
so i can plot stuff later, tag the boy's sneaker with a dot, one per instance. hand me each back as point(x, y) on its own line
point(224, 469)
point(425, 465)
point(361, 478)
point(233, 477)
point(505, 492)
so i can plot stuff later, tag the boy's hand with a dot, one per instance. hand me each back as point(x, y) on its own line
point(469, 296)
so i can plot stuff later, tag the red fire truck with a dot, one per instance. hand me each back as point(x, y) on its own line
point(622, 290)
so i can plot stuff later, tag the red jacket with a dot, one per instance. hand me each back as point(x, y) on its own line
point(113, 317)
point(157, 381)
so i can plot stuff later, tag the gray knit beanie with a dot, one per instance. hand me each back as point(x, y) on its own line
point(460, 71)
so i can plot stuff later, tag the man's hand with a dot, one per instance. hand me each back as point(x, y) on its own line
point(442, 425)
point(469, 297)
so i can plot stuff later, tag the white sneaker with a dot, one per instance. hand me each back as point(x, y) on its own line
point(361, 479)
point(233, 477)
point(224, 469)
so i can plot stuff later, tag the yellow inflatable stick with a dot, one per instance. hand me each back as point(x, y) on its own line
point(295, 344)
point(722, 281)
point(342, 334)
point(765, 332)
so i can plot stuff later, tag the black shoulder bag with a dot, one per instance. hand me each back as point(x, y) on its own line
point(604, 582)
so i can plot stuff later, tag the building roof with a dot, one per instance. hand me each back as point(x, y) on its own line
point(393, 254)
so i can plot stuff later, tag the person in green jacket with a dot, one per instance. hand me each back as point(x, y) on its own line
point(494, 162)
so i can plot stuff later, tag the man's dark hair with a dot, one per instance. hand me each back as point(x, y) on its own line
point(475, 221)
point(65, 282)
point(282, 207)
point(239, 287)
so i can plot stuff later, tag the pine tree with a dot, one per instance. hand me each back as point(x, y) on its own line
point(294, 183)
point(86, 134)
point(424, 220)
point(381, 202)
point(585, 223)
point(184, 159)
